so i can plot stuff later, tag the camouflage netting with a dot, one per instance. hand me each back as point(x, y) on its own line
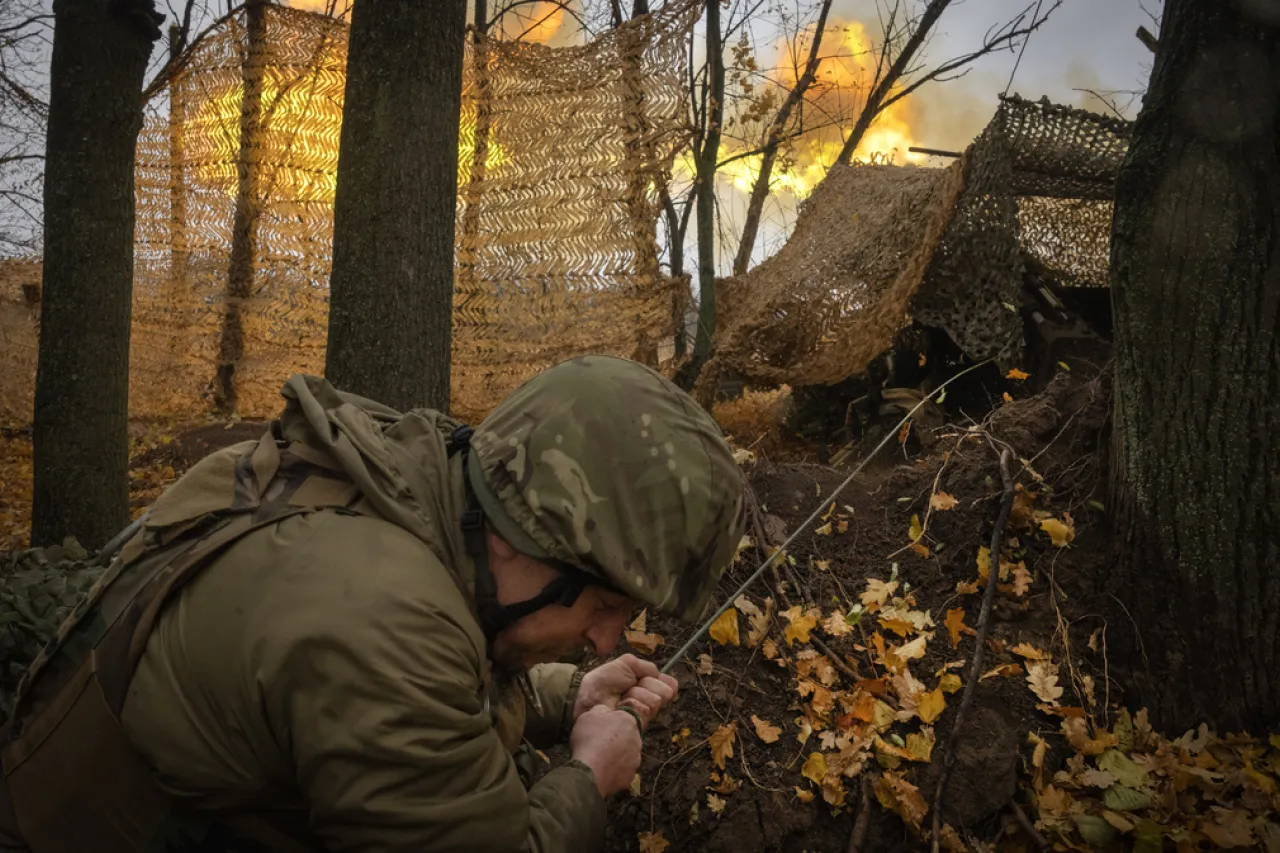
point(876, 246)
point(561, 153)
point(38, 590)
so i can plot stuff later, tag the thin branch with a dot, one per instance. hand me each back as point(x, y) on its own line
point(984, 625)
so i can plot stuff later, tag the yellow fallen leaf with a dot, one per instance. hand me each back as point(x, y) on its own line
point(765, 730)
point(942, 501)
point(911, 650)
point(984, 563)
point(932, 705)
point(722, 743)
point(836, 625)
point(1021, 580)
point(878, 591)
point(1118, 820)
point(653, 842)
point(824, 565)
point(770, 651)
point(1060, 533)
point(705, 666)
point(1043, 678)
point(715, 804)
point(1077, 734)
point(901, 627)
point(635, 789)
point(920, 549)
point(646, 644)
point(824, 530)
point(1006, 396)
point(955, 625)
point(799, 624)
point(915, 531)
point(920, 745)
point(815, 768)
point(680, 737)
point(950, 683)
point(966, 587)
point(725, 629)
point(803, 730)
point(1029, 652)
point(842, 527)
point(833, 790)
point(900, 796)
point(804, 796)
point(638, 624)
point(1015, 373)
point(1002, 671)
point(727, 785)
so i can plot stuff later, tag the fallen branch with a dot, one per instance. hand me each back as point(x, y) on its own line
point(1040, 841)
point(859, 834)
point(984, 625)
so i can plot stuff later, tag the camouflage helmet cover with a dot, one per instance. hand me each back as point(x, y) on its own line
point(606, 465)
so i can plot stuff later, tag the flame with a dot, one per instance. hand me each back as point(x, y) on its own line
point(843, 80)
point(539, 24)
point(308, 173)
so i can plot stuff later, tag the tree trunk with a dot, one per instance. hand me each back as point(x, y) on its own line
point(760, 190)
point(81, 445)
point(707, 160)
point(875, 100)
point(391, 292)
point(1196, 294)
point(244, 228)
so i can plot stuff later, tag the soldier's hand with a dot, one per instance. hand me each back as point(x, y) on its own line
point(627, 680)
point(608, 742)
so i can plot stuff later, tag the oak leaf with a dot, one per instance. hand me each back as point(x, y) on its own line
point(725, 629)
point(646, 644)
point(1021, 580)
point(705, 667)
point(955, 625)
point(920, 745)
point(653, 842)
point(716, 804)
point(765, 730)
point(681, 736)
point(942, 501)
point(1015, 373)
point(911, 650)
point(1029, 652)
point(900, 796)
point(966, 587)
point(1043, 678)
point(1002, 671)
point(722, 743)
point(950, 683)
point(836, 625)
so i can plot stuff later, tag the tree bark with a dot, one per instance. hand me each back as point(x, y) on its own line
point(1196, 295)
point(707, 161)
point(242, 264)
point(391, 292)
point(760, 190)
point(81, 462)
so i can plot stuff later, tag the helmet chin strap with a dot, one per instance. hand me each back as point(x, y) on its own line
point(494, 616)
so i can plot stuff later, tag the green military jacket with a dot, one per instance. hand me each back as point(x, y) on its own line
point(329, 668)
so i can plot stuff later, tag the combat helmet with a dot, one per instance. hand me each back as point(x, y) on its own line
point(604, 469)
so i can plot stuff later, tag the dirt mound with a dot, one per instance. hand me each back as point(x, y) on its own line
point(901, 545)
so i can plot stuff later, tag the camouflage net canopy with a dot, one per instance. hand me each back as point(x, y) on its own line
point(560, 157)
point(877, 246)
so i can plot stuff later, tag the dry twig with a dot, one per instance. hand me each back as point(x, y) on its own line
point(984, 624)
point(1029, 827)
point(859, 834)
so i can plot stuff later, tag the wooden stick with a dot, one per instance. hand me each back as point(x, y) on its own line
point(859, 834)
point(1029, 827)
point(1144, 36)
point(984, 624)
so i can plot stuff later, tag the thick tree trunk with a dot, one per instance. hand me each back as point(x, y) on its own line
point(244, 228)
point(100, 52)
point(391, 292)
point(707, 161)
point(1196, 293)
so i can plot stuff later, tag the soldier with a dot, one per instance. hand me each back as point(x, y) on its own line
point(343, 636)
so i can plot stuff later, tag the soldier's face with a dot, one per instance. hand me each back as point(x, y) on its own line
point(595, 621)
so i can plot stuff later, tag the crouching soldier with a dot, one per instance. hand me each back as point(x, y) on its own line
point(343, 636)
